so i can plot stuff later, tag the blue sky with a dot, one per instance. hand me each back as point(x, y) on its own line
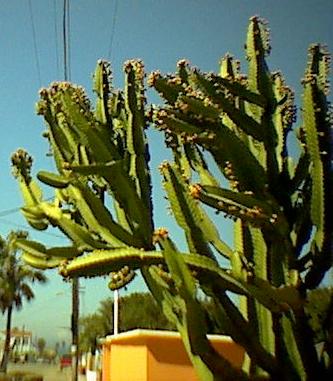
point(160, 32)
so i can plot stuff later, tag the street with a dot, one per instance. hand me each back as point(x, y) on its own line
point(50, 372)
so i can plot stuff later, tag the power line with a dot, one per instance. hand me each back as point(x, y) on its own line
point(56, 37)
point(66, 39)
point(25, 227)
point(113, 28)
point(7, 212)
point(35, 44)
point(69, 41)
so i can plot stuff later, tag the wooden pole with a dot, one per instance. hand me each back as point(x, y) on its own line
point(75, 328)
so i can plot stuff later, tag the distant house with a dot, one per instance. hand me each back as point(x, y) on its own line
point(20, 342)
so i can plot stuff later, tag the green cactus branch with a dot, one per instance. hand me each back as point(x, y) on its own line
point(228, 134)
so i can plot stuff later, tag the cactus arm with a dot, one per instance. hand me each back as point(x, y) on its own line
point(123, 189)
point(98, 218)
point(318, 138)
point(239, 117)
point(283, 116)
point(39, 262)
point(261, 81)
point(89, 133)
point(243, 333)
point(225, 147)
point(241, 205)
point(257, 47)
point(53, 179)
point(102, 262)
point(191, 104)
point(208, 361)
point(169, 88)
point(174, 308)
point(34, 248)
point(102, 88)
point(261, 260)
point(30, 191)
point(240, 90)
point(34, 216)
point(293, 353)
point(135, 138)
point(199, 165)
point(56, 135)
point(37, 249)
point(317, 202)
point(80, 235)
point(187, 212)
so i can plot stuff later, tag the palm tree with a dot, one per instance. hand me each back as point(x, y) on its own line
point(15, 280)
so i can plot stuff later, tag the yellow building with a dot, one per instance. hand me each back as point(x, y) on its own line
point(145, 355)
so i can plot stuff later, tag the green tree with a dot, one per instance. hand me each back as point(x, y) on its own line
point(92, 327)
point(16, 278)
point(41, 344)
point(140, 310)
point(137, 310)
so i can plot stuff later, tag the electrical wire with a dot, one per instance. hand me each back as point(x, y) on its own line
point(56, 37)
point(25, 227)
point(7, 212)
point(66, 40)
point(35, 44)
point(69, 40)
point(113, 28)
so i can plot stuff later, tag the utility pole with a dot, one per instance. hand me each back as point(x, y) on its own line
point(115, 311)
point(75, 281)
point(75, 327)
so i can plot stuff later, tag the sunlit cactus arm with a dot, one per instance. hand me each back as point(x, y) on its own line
point(42, 263)
point(101, 262)
point(223, 104)
point(83, 239)
point(124, 192)
point(84, 125)
point(169, 87)
point(230, 75)
point(260, 80)
point(261, 270)
point(30, 191)
point(98, 218)
point(257, 48)
point(242, 205)
point(283, 117)
point(198, 228)
point(60, 137)
point(39, 250)
point(199, 165)
point(227, 149)
point(231, 79)
point(102, 88)
point(136, 143)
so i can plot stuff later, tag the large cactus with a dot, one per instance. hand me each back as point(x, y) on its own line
point(280, 206)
